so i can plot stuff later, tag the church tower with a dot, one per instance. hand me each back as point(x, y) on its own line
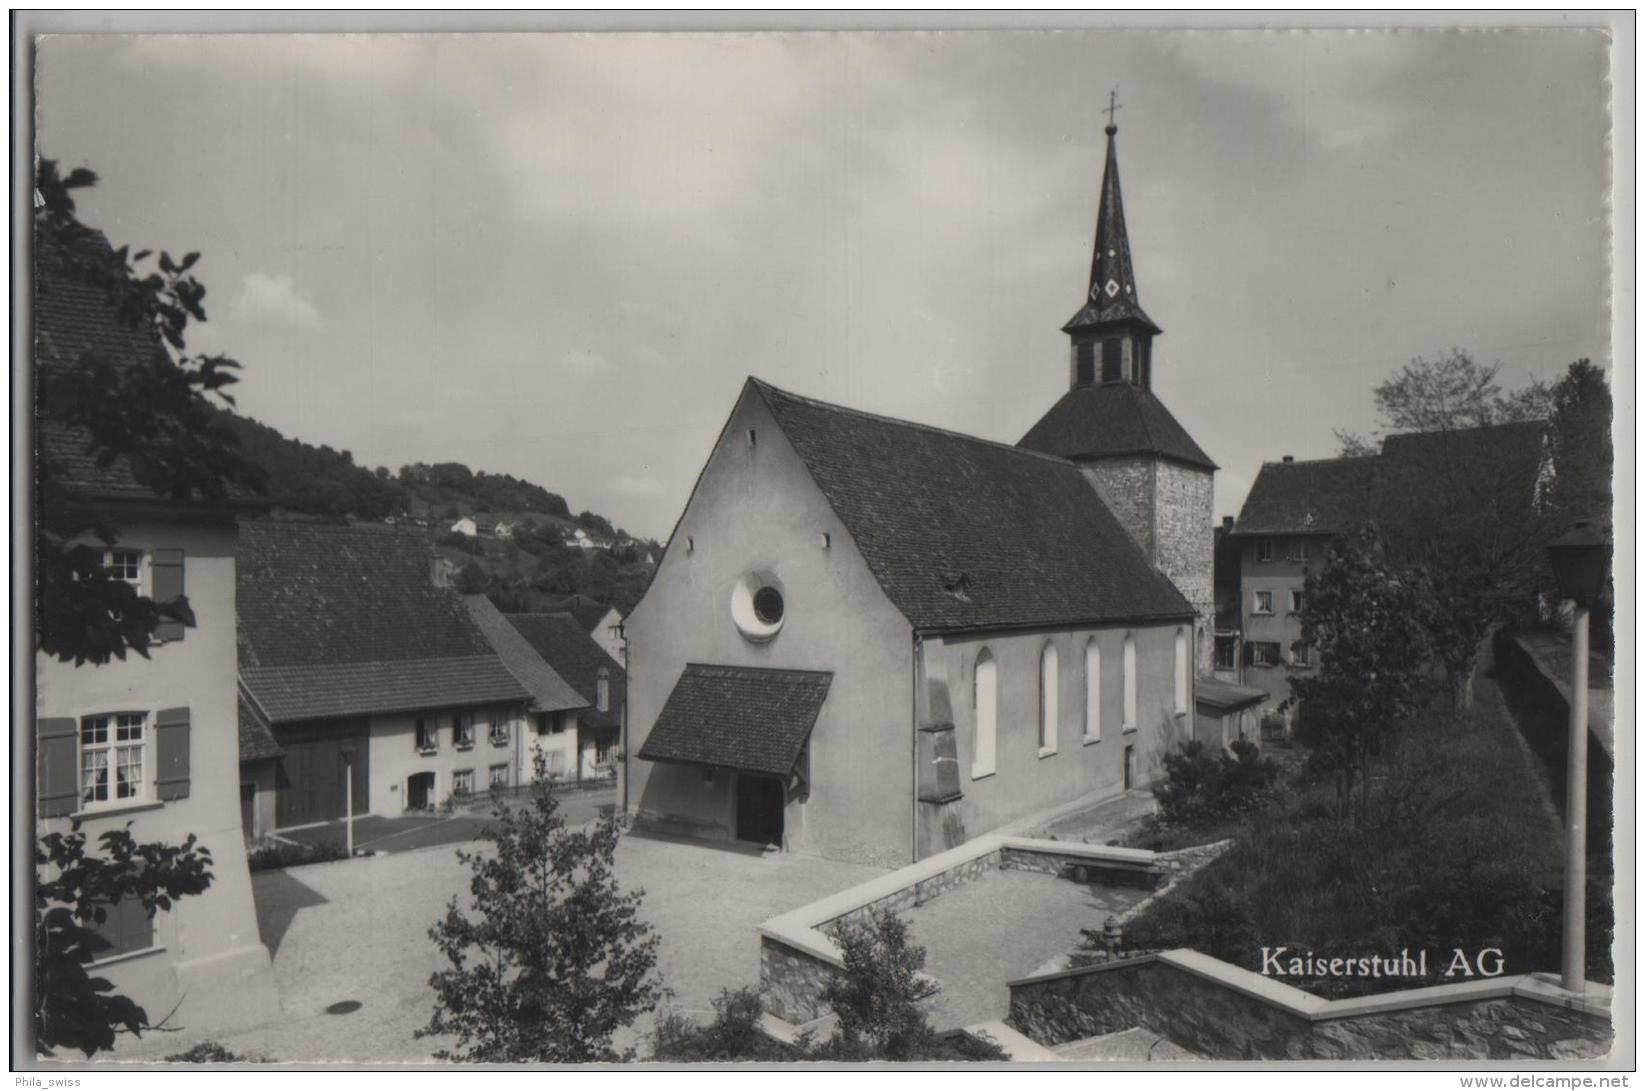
point(1150, 472)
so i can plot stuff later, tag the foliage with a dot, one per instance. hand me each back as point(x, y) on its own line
point(1201, 785)
point(1365, 621)
point(74, 893)
point(283, 854)
point(487, 492)
point(734, 1034)
point(209, 1052)
point(1582, 448)
point(1455, 850)
point(552, 959)
point(316, 480)
point(877, 998)
point(1445, 394)
point(152, 414)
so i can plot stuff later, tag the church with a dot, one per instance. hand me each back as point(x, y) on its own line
point(871, 639)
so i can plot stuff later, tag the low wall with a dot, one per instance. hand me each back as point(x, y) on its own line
point(1228, 1013)
point(797, 949)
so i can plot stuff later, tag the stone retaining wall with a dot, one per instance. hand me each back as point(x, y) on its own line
point(921, 891)
point(792, 981)
point(1217, 1010)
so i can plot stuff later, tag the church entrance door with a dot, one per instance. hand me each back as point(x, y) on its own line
point(759, 809)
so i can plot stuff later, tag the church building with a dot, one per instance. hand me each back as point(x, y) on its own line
point(872, 639)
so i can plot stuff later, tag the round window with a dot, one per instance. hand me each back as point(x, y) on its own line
point(768, 605)
point(757, 605)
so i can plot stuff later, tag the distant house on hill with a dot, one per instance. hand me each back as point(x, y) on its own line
point(353, 658)
point(467, 527)
point(562, 642)
point(503, 529)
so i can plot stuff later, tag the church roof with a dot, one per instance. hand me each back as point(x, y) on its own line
point(1112, 294)
point(964, 533)
point(1322, 495)
point(1111, 419)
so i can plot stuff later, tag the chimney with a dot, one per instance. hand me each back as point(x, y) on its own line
point(1227, 522)
point(1288, 458)
point(442, 572)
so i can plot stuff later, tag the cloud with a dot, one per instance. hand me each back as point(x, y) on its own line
point(273, 296)
point(637, 486)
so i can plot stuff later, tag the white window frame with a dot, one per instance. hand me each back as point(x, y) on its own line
point(1093, 692)
point(1297, 550)
point(499, 730)
point(602, 690)
point(985, 730)
point(1129, 684)
point(1257, 608)
point(457, 777)
point(1265, 550)
point(1296, 601)
point(492, 775)
point(462, 731)
point(1180, 668)
point(1049, 680)
point(138, 560)
point(425, 734)
point(1300, 656)
point(116, 755)
point(1257, 647)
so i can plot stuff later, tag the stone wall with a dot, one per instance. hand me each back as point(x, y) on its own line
point(1142, 876)
point(921, 891)
point(1226, 1019)
point(792, 981)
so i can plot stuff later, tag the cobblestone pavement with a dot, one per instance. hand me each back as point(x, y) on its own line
point(358, 930)
point(1000, 927)
point(1106, 822)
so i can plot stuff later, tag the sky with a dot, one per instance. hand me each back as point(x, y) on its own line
point(559, 256)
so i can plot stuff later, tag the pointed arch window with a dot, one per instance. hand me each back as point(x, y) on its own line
point(1181, 687)
point(1130, 683)
point(985, 701)
point(1048, 700)
point(1093, 691)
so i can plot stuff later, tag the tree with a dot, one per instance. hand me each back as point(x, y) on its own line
point(554, 958)
point(1365, 620)
point(72, 1009)
point(150, 412)
point(1445, 394)
point(1582, 449)
point(877, 997)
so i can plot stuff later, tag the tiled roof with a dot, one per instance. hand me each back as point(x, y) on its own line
point(587, 611)
point(335, 593)
point(1326, 496)
point(551, 692)
point(963, 533)
point(746, 718)
point(256, 740)
point(1226, 696)
point(574, 655)
point(1106, 420)
point(1499, 463)
point(322, 691)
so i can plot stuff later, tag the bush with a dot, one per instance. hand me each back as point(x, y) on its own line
point(734, 1035)
point(215, 1053)
point(1201, 787)
point(286, 854)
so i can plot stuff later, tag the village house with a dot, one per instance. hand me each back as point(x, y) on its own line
point(583, 743)
point(355, 661)
point(147, 743)
point(466, 526)
point(872, 639)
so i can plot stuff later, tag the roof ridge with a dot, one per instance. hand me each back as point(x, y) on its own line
point(1537, 422)
point(762, 670)
point(1139, 403)
point(766, 387)
point(1368, 459)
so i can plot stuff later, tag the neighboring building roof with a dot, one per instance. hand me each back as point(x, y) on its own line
point(1226, 696)
point(561, 640)
point(1320, 496)
point(551, 692)
point(256, 740)
point(1109, 420)
point(339, 620)
point(1499, 463)
point(962, 533)
point(322, 691)
point(747, 718)
point(588, 612)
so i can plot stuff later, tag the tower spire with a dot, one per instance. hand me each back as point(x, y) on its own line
point(1111, 333)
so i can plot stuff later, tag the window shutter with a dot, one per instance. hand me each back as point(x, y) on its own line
point(58, 766)
point(1250, 654)
point(166, 579)
point(172, 752)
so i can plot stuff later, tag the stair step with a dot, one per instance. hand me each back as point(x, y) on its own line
point(1017, 1045)
point(1135, 1044)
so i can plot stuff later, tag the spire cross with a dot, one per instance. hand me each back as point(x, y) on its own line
point(1113, 104)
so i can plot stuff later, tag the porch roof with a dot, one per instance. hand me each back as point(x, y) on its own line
point(749, 718)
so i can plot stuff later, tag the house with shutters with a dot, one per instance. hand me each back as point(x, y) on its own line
point(149, 742)
point(583, 743)
point(358, 665)
point(872, 639)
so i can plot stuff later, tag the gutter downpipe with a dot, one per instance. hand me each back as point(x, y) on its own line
point(622, 738)
point(914, 752)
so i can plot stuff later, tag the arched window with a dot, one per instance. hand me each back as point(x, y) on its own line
point(1093, 691)
point(985, 698)
point(1048, 700)
point(1130, 723)
point(1182, 670)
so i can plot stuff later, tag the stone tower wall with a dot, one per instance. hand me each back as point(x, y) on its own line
point(1167, 509)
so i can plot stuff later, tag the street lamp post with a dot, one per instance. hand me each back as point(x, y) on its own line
point(348, 801)
point(1580, 559)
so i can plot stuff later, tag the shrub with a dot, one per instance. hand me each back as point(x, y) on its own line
point(734, 1035)
point(287, 854)
point(1202, 787)
point(216, 1053)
